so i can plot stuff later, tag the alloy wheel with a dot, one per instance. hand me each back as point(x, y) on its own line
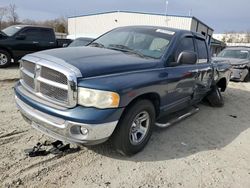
point(139, 128)
point(3, 59)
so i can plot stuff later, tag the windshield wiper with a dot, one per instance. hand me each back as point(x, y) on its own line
point(123, 48)
point(96, 44)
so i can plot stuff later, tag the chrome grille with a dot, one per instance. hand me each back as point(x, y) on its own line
point(29, 66)
point(54, 76)
point(46, 82)
point(28, 80)
point(53, 92)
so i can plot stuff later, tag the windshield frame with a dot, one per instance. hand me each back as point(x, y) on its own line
point(168, 37)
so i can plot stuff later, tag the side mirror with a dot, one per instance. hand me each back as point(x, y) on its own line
point(20, 37)
point(65, 45)
point(187, 57)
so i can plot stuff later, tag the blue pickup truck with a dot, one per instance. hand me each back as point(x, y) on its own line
point(118, 87)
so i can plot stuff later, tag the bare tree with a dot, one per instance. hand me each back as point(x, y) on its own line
point(13, 16)
point(59, 24)
point(247, 36)
point(224, 39)
point(3, 12)
point(30, 22)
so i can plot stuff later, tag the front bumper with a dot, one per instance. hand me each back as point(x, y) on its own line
point(239, 74)
point(65, 125)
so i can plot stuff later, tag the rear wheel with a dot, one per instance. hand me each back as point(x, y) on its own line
point(215, 98)
point(135, 128)
point(5, 59)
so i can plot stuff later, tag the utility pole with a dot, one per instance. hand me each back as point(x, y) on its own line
point(166, 8)
point(190, 12)
point(167, 12)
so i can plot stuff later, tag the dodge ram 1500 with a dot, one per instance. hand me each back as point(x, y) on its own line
point(119, 86)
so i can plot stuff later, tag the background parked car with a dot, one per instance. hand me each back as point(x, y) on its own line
point(239, 58)
point(19, 40)
point(83, 41)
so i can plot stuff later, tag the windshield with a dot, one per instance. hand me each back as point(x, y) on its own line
point(238, 54)
point(80, 42)
point(144, 42)
point(12, 30)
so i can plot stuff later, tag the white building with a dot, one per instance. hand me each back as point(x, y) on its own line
point(94, 25)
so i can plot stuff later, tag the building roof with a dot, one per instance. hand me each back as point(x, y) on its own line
point(216, 42)
point(146, 13)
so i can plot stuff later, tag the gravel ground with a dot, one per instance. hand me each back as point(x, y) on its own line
point(209, 149)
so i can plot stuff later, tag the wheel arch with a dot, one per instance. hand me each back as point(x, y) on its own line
point(152, 96)
point(222, 84)
point(7, 50)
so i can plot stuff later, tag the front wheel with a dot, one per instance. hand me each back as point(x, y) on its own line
point(135, 128)
point(215, 98)
point(5, 59)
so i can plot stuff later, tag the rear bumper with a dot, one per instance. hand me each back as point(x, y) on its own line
point(239, 74)
point(80, 125)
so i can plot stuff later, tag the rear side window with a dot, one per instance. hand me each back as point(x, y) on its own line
point(202, 50)
point(40, 35)
point(47, 35)
point(186, 44)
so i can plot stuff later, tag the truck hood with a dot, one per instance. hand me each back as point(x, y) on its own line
point(232, 61)
point(93, 61)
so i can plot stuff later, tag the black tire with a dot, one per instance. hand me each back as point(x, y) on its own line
point(215, 98)
point(5, 59)
point(247, 78)
point(122, 139)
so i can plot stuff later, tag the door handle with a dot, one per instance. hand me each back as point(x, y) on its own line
point(35, 42)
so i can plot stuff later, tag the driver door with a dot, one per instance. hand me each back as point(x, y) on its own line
point(28, 44)
point(181, 79)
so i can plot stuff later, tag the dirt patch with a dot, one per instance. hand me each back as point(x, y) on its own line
point(10, 73)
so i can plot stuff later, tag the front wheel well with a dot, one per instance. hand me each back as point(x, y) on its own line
point(5, 49)
point(222, 84)
point(153, 97)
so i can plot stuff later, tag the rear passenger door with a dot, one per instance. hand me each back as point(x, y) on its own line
point(46, 39)
point(204, 66)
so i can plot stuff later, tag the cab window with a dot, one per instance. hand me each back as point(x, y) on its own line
point(202, 51)
point(186, 44)
point(31, 34)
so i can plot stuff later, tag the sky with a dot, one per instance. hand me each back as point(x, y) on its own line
point(221, 15)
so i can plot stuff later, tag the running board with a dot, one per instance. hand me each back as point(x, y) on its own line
point(177, 117)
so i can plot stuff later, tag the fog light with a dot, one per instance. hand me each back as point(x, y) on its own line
point(84, 131)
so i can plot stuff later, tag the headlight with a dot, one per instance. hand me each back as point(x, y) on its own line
point(239, 66)
point(97, 98)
